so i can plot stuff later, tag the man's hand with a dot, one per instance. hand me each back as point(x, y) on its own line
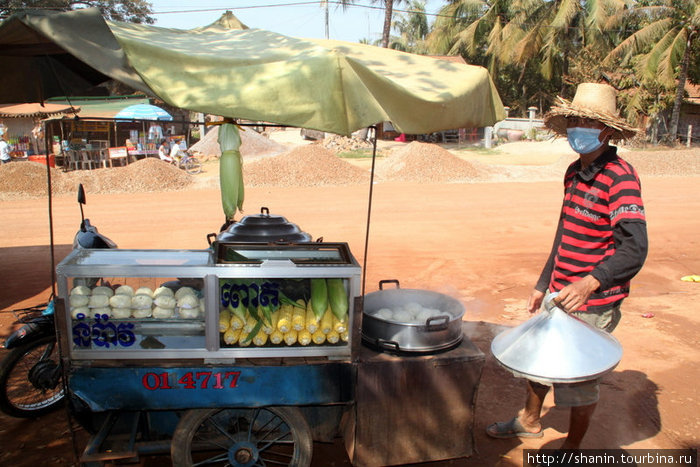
point(535, 301)
point(575, 295)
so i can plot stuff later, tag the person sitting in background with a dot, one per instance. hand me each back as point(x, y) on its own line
point(164, 152)
point(175, 151)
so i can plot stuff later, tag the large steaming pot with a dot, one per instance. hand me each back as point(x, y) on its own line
point(555, 347)
point(439, 332)
point(262, 228)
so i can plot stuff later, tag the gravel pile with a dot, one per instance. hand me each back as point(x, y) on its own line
point(253, 145)
point(310, 165)
point(28, 179)
point(429, 163)
point(338, 143)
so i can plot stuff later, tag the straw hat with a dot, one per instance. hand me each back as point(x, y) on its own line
point(596, 101)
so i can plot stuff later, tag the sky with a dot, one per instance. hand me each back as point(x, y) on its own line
point(298, 18)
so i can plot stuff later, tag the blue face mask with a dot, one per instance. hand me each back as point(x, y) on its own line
point(584, 140)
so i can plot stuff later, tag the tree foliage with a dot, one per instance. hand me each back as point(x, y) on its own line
point(132, 11)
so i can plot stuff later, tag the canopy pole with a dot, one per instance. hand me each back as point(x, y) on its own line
point(369, 207)
point(50, 205)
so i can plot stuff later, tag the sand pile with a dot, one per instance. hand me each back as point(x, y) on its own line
point(25, 180)
point(28, 179)
point(424, 162)
point(310, 165)
point(253, 145)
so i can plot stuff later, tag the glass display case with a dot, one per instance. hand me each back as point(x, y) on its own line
point(235, 301)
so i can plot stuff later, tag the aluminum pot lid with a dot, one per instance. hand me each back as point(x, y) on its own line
point(555, 347)
point(265, 228)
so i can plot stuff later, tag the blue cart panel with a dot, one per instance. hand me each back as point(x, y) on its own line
point(208, 387)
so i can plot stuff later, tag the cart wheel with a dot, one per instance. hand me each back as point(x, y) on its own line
point(243, 437)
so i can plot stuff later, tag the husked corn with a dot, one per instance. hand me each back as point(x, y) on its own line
point(224, 320)
point(269, 328)
point(318, 337)
point(299, 318)
point(339, 325)
point(249, 324)
point(311, 320)
point(326, 325)
point(276, 337)
point(304, 337)
point(260, 338)
point(290, 338)
point(344, 336)
point(231, 336)
point(333, 337)
point(236, 322)
point(285, 320)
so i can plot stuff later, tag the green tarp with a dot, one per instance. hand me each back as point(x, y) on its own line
point(253, 74)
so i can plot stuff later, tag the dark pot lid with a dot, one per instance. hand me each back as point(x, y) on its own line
point(263, 228)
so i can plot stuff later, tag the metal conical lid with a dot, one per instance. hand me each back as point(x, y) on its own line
point(555, 347)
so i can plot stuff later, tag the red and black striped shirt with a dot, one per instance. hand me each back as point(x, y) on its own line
point(597, 201)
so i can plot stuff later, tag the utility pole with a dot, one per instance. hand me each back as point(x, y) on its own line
point(326, 7)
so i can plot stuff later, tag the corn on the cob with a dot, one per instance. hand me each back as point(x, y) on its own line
point(344, 336)
point(260, 338)
point(290, 337)
point(224, 320)
point(304, 337)
point(318, 337)
point(284, 324)
point(319, 296)
point(326, 324)
point(333, 337)
point(231, 336)
point(249, 324)
point(230, 170)
point(339, 325)
point(243, 340)
point(236, 322)
point(269, 328)
point(299, 318)
point(276, 337)
point(311, 320)
point(337, 297)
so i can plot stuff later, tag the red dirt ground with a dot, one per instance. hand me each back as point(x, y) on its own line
point(483, 243)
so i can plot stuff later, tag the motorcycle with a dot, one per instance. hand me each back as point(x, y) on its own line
point(30, 374)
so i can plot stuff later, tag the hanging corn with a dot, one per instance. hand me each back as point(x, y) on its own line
point(230, 170)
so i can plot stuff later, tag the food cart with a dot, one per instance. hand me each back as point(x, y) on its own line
point(149, 367)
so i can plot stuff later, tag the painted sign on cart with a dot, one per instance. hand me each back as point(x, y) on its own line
point(257, 385)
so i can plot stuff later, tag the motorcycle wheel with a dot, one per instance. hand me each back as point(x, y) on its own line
point(242, 437)
point(192, 166)
point(30, 379)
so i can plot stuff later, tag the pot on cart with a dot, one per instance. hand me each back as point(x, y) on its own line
point(411, 320)
point(262, 228)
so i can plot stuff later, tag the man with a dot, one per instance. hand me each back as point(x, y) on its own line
point(5, 149)
point(600, 244)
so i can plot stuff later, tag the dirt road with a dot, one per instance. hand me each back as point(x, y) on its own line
point(483, 243)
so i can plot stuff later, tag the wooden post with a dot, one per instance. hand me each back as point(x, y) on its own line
point(690, 136)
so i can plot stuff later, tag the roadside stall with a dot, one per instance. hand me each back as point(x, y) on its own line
point(245, 352)
point(23, 130)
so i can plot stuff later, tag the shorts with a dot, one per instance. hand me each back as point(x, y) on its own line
point(586, 392)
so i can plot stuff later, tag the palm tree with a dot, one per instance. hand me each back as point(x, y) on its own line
point(661, 50)
point(412, 27)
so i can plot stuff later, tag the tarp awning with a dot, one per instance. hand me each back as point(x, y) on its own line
point(36, 110)
point(253, 74)
point(103, 107)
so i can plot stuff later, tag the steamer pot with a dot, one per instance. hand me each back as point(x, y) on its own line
point(439, 332)
point(262, 228)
